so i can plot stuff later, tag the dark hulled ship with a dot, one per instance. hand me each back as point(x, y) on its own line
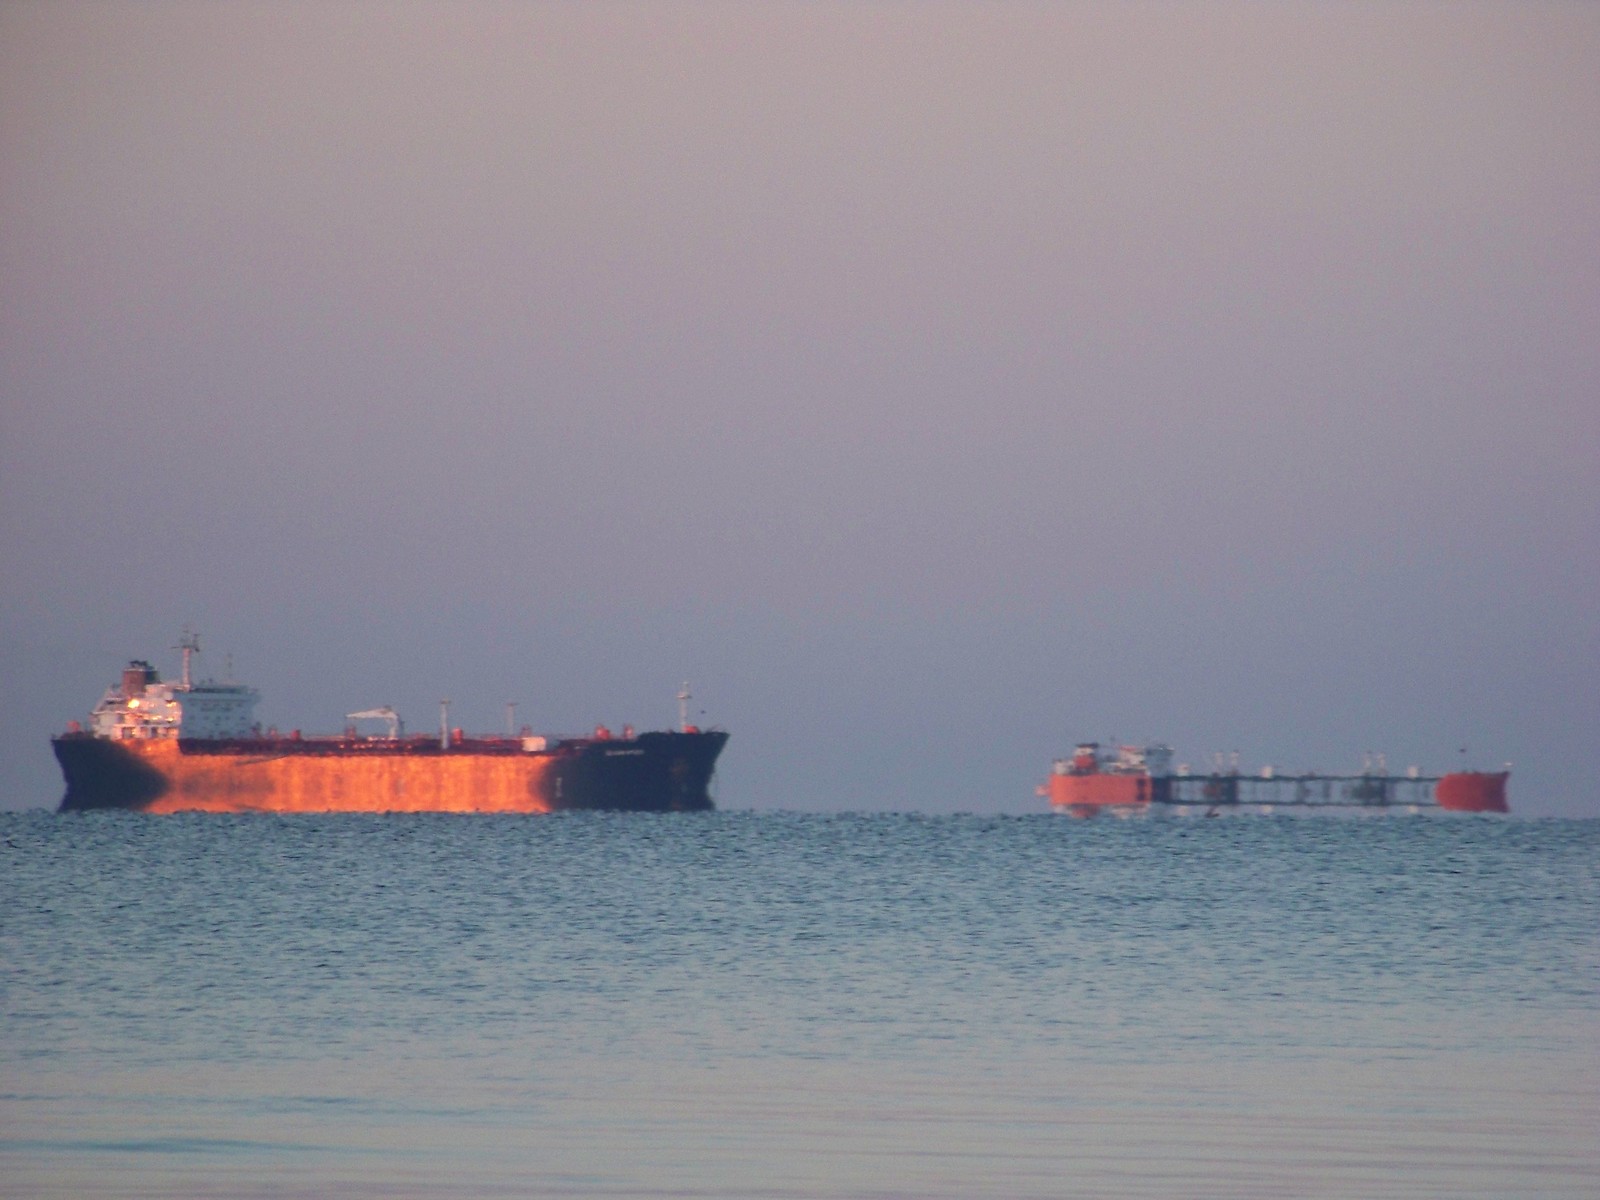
point(158, 747)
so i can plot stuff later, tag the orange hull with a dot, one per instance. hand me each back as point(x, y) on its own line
point(1099, 791)
point(653, 772)
point(318, 783)
point(1473, 791)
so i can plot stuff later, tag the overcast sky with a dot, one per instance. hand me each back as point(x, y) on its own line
point(932, 385)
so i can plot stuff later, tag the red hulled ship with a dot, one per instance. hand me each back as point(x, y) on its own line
point(1128, 778)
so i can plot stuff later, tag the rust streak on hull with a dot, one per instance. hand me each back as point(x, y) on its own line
point(307, 784)
point(655, 772)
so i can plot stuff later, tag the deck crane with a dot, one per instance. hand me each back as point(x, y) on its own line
point(385, 713)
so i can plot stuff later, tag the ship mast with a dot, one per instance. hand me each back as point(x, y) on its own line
point(189, 643)
point(684, 697)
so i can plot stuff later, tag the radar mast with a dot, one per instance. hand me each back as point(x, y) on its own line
point(189, 643)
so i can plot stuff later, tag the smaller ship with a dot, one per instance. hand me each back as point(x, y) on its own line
point(159, 747)
point(1123, 778)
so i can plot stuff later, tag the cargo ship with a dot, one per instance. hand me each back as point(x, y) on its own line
point(1127, 778)
point(159, 747)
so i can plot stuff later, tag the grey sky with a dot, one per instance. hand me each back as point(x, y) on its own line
point(933, 385)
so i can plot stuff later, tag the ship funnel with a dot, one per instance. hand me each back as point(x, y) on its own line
point(137, 676)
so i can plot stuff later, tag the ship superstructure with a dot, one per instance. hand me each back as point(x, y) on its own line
point(140, 706)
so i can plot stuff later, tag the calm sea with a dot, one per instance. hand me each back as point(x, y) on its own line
point(783, 1006)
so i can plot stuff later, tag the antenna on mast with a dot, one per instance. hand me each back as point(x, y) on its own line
point(189, 643)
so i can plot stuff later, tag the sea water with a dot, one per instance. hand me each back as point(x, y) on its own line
point(786, 1006)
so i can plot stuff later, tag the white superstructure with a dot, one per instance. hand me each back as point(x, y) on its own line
point(141, 706)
